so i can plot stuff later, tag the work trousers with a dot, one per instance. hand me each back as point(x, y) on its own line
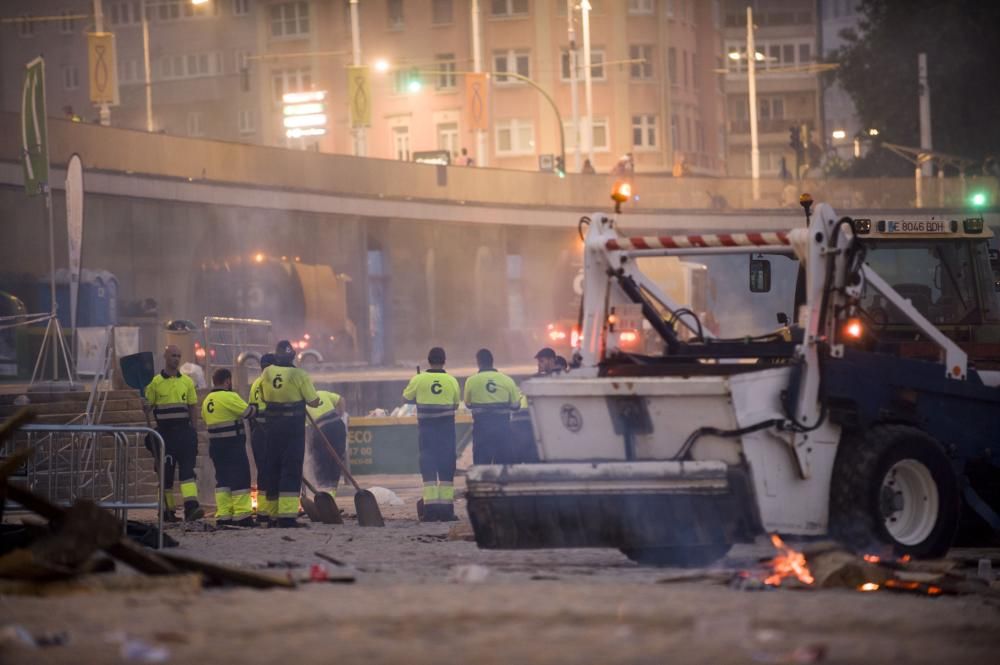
point(232, 477)
point(181, 443)
point(436, 438)
point(286, 447)
point(327, 470)
point(491, 438)
point(523, 449)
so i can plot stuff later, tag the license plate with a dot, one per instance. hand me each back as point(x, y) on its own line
point(916, 227)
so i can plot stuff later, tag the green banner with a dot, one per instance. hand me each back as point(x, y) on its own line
point(34, 133)
point(389, 445)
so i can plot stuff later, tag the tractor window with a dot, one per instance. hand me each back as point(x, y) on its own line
point(937, 277)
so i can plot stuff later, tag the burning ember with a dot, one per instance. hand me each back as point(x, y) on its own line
point(868, 586)
point(786, 563)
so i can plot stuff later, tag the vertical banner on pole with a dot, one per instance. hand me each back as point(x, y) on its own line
point(74, 229)
point(102, 67)
point(34, 133)
point(476, 100)
point(359, 95)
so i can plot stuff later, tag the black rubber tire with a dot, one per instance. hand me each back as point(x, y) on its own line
point(696, 556)
point(863, 460)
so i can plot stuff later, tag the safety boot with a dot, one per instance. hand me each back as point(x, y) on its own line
point(447, 513)
point(170, 516)
point(192, 511)
point(244, 522)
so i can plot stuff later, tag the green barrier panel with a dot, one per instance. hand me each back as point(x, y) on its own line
point(389, 445)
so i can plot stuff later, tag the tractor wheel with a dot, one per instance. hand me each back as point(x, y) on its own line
point(894, 486)
point(695, 556)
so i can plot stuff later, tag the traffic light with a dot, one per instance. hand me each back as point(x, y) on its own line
point(560, 167)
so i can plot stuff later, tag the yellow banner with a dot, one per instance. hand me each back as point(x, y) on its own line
point(102, 68)
point(359, 96)
point(476, 101)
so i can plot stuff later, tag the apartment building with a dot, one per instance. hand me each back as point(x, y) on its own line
point(219, 70)
point(196, 53)
point(788, 88)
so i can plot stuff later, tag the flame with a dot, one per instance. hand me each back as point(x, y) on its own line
point(786, 563)
point(868, 586)
point(253, 499)
point(872, 558)
point(907, 585)
point(905, 558)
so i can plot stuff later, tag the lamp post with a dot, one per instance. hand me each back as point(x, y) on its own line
point(752, 93)
point(588, 83)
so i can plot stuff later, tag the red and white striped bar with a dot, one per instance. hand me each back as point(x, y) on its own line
point(765, 239)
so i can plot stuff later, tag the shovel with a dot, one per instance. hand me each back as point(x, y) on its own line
point(322, 506)
point(365, 503)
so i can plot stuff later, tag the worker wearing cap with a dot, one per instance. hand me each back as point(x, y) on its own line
point(436, 394)
point(329, 417)
point(224, 411)
point(287, 390)
point(490, 396)
point(172, 398)
point(522, 435)
point(258, 443)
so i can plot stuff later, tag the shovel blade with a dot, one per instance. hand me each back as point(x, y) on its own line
point(366, 505)
point(310, 507)
point(137, 369)
point(327, 508)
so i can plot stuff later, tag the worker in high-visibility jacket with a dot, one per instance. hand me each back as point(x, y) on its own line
point(491, 396)
point(436, 395)
point(224, 411)
point(287, 390)
point(173, 401)
point(329, 416)
point(258, 444)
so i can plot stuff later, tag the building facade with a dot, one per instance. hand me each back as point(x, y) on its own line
point(788, 87)
point(840, 117)
point(219, 70)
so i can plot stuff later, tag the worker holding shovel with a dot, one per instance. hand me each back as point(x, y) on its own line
point(329, 417)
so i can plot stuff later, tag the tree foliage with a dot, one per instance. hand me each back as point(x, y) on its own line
point(878, 68)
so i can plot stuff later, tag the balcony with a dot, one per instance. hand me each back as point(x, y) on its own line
point(768, 125)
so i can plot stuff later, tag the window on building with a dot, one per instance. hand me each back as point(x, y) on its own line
point(686, 68)
point(290, 80)
point(129, 71)
point(245, 122)
point(195, 123)
point(518, 62)
point(125, 13)
point(71, 77)
point(640, 6)
point(290, 19)
point(601, 135)
point(515, 137)
point(395, 13)
point(672, 65)
point(401, 142)
point(442, 12)
point(644, 131)
point(508, 7)
point(805, 53)
point(407, 81)
point(689, 133)
point(241, 8)
point(26, 27)
point(641, 70)
point(67, 26)
point(191, 65)
point(694, 70)
point(515, 292)
point(596, 65)
point(447, 137)
point(675, 132)
point(670, 8)
point(446, 78)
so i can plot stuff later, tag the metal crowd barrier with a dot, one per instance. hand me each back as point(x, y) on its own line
point(102, 463)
